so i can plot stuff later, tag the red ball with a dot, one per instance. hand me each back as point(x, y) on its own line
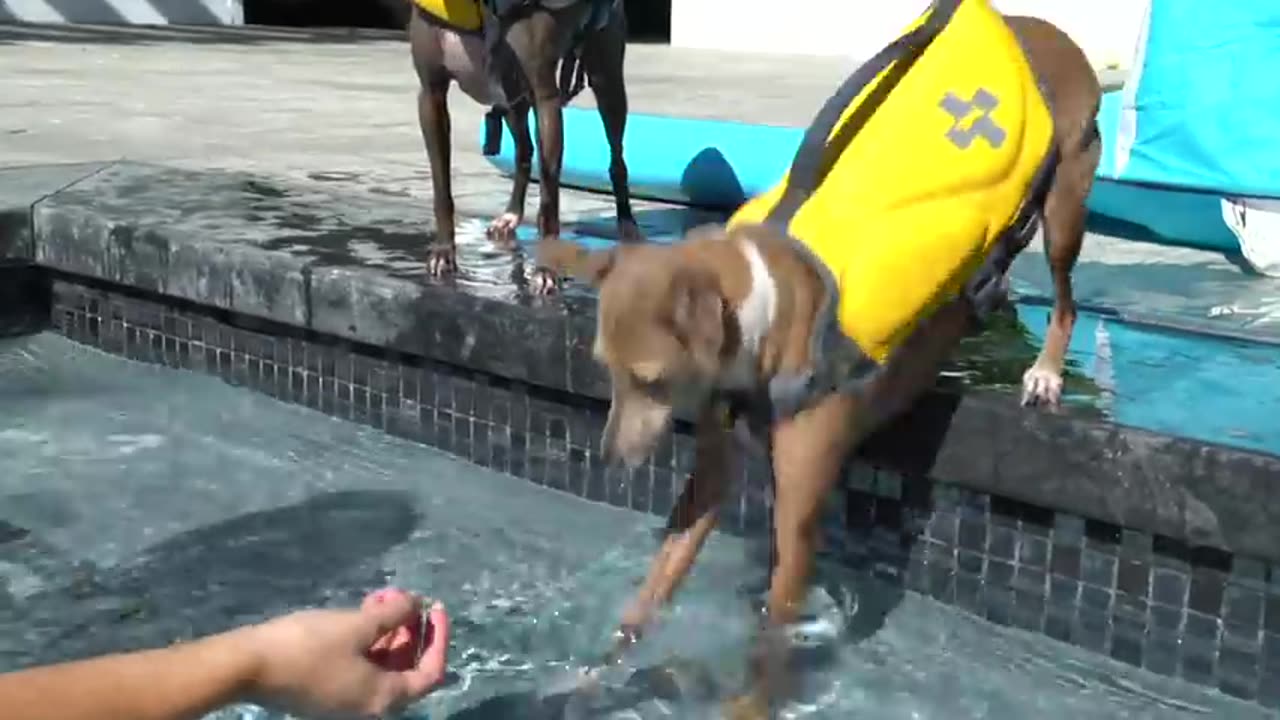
point(402, 648)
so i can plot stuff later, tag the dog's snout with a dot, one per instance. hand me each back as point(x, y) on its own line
point(614, 455)
point(634, 426)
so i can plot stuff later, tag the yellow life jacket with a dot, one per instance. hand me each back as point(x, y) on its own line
point(461, 15)
point(909, 178)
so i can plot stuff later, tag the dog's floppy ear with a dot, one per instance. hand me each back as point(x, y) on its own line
point(697, 315)
point(569, 258)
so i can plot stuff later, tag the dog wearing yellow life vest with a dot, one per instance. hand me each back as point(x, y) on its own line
point(827, 305)
point(514, 56)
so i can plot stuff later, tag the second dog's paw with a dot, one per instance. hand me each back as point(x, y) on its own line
point(442, 261)
point(503, 227)
point(544, 281)
point(1041, 387)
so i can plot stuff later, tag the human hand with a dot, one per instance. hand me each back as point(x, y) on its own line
point(361, 663)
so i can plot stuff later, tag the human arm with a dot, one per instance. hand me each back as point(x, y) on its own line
point(308, 661)
point(187, 680)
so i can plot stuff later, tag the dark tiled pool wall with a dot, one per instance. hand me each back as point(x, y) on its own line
point(24, 299)
point(1198, 614)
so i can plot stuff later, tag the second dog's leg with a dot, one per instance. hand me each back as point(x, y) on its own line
point(504, 226)
point(433, 118)
point(535, 42)
point(690, 522)
point(604, 54)
point(548, 113)
point(1064, 228)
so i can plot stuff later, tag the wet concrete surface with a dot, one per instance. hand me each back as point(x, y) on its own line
point(21, 188)
point(326, 106)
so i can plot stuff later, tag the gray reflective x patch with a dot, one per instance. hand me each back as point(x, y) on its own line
point(983, 126)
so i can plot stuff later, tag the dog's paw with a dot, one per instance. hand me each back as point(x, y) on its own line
point(629, 232)
point(442, 261)
point(504, 226)
point(544, 281)
point(750, 706)
point(1041, 387)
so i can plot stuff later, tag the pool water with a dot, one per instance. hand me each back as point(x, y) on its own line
point(139, 505)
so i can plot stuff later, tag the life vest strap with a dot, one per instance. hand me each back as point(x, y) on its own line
point(572, 80)
point(818, 149)
point(985, 290)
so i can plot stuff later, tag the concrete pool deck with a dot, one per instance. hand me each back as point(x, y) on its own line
point(274, 184)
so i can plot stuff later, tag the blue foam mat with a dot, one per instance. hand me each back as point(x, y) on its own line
point(719, 164)
point(705, 163)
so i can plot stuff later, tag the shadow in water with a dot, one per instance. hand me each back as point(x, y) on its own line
point(678, 682)
point(529, 705)
point(323, 549)
point(11, 533)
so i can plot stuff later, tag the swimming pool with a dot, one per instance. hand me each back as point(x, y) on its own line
point(140, 504)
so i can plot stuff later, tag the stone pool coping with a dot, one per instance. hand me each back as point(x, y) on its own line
point(345, 266)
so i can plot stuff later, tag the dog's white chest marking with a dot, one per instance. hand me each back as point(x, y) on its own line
point(755, 314)
point(468, 64)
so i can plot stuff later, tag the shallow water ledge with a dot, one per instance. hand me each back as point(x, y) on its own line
point(321, 300)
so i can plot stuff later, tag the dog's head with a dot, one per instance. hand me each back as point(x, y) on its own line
point(662, 331)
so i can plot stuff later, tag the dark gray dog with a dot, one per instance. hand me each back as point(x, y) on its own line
point(513, 55)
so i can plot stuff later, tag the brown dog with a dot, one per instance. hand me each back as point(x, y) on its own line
point(518, 72)
point(730, 311)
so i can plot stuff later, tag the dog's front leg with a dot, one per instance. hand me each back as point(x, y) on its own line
point(541, 73)
point(536, 42)
point(808, 453)
point(427, 51)
point(503, 228)
point(691, 520)
point(1064, 228)
point(433, 117)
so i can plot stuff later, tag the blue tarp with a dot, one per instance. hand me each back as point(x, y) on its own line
point(1202, 106)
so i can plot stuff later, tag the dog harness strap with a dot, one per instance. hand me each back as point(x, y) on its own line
point(985, 289)
point(492, 132)
point(573, 71)
point(498, 15)
point(815, 157)
point(573, 74)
